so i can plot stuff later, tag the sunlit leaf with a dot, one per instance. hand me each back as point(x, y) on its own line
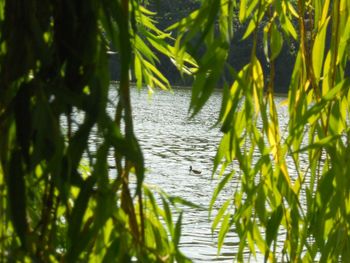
point(220, 214)
point(318, 50)
point(276, 42)
point(224, 228)
point(218, 189)
point(76, 218)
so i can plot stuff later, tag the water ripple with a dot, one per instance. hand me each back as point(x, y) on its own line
point(171, 142)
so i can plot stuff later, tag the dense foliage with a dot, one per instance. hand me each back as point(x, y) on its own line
point(169, 12)
point(54, 64)
point(292, 202)
point(58, 202)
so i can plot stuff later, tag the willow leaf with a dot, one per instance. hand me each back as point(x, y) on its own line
point(168, 217)
point(138, 71)
point(218, 189)
point(177, 232)
point(178, 200)
point(318, 50)
point(242, 11)
point(273, 225)
point(17, 198)
point(276, 42)
point(76, 220)
point(141, 46)
point(344, 42)
point(224, 228)
point(223, 209)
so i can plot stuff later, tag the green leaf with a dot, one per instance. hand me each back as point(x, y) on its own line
point(324, 142)
point(326, 189)
point(168, 218)
point(220, 214)
point(242, 10)
point(224, 228)
point(138, 71)
point(344, 42)
point(177, 232)
point(260, 204)
point(206, 80)
point(229, 116)
point(288, 26)
point(178, 200)
point(76, 218)
point(276, 42)
point(218, 189)
point(17, 196)
point(273, 225)
point(113, 251)
point(128, 147)
point(250, 29)
point(318, 50)
point(143, 49)
point(316, 108)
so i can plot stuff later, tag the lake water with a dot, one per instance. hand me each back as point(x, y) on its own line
point(171, 142)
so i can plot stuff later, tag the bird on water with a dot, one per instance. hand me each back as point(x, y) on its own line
point(195, 171)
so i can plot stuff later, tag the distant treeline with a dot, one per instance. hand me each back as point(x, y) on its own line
point(169, 12)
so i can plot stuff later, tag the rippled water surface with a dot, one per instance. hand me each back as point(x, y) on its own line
point(171, 142)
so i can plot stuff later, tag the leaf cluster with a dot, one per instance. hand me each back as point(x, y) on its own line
point(291, 199)
point(58, 201)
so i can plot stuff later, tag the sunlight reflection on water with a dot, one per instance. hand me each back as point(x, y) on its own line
point(171, 142)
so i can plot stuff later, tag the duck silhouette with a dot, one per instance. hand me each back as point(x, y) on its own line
point(195, 171)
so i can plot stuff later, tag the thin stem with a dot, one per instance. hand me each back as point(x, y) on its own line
point(125, 104)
